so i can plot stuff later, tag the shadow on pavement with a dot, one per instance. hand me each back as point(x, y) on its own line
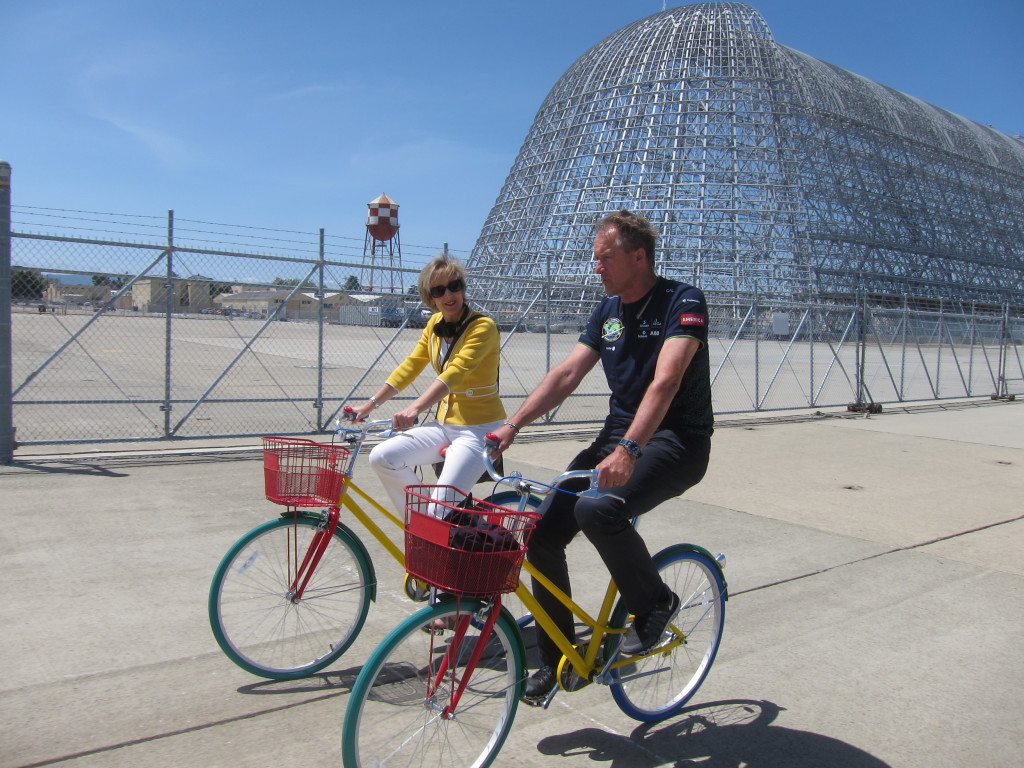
point(338, 681)
point(723, 734)
point(76, 468)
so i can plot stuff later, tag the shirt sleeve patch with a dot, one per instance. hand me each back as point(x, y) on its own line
point(692, 319)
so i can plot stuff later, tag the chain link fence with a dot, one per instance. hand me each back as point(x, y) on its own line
point(140, 329)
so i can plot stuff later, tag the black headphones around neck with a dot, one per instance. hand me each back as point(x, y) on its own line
point(448, 329)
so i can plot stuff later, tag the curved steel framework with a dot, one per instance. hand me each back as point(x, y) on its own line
point(770, 175)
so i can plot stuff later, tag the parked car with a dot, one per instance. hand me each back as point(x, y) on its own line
point(418, 317)
point(566, 324)
point(392, 316)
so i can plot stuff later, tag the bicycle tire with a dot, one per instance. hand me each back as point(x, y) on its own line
point(260, 628)
point(510, 500)
point(391, 721)
point(674, 676)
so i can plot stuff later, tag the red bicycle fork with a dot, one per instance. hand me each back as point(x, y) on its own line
point(453, 650)
point(315, 550)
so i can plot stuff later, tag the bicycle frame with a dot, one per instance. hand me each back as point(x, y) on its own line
point(360, 514)
point(584, 664)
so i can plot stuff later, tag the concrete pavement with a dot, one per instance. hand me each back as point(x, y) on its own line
point(875, 619)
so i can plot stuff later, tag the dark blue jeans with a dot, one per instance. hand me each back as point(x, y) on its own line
point(670, 464)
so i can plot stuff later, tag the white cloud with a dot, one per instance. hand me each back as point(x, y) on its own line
point(134, 89)
point(313, 89)
point(168, 149)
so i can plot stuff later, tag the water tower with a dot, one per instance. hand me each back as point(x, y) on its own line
point(382, 248)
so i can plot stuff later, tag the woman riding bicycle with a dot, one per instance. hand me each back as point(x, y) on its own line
point(462, 348)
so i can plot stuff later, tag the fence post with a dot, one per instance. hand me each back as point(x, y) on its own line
point(168, 331)
point(319, 403)
point(757, 350)
point(903, 347)
point(6, 367)
point(938, 348)
point(1002, 388)
point(812, 332)
point(861, 350)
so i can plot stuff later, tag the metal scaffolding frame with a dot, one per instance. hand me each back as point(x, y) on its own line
point(770, 175)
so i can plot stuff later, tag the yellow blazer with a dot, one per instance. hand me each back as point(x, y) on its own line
point(471, 372)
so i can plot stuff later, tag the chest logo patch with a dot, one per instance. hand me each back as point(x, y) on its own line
point(612, 329)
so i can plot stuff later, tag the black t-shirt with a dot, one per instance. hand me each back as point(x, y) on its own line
point(629, 338)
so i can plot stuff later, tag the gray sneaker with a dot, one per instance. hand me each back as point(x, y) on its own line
point(648, 629)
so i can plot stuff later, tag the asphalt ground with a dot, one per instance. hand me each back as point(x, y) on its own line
point(874, 564)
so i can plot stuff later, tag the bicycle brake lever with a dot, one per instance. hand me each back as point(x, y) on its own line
point(597, 493)
point(594, 492)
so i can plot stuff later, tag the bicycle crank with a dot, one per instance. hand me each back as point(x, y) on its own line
point(569, 679)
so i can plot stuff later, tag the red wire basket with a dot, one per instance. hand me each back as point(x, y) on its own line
point(302, 473)
point(464, 546)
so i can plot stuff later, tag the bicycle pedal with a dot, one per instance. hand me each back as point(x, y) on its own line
point(663, 646)
point(540, 701)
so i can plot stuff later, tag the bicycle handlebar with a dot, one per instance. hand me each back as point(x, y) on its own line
point(380, 427)
point(524, 486)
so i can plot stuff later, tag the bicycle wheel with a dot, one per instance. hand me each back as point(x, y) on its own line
point(256, 622)
point(510, 500)
point(657, 685)
point(392, 719)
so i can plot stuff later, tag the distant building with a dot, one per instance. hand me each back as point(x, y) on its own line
point(203, 295)
point(82, 295)
point(187, 295)
point(75, 293)
point(304, 305)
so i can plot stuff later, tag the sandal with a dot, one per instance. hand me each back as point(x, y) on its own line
point(439, 626)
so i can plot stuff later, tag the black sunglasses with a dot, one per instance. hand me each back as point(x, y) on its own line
point(456, 285)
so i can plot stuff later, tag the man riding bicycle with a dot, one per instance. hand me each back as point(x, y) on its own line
point(650, 334)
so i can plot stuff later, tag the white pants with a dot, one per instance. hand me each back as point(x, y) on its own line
point(394, 459)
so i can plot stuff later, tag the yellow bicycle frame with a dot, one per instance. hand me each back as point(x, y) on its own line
point(585, 664)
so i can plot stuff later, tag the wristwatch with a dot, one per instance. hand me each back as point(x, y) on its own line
point(632, 447)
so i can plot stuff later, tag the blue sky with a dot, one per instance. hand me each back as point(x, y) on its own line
point(294, 115)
